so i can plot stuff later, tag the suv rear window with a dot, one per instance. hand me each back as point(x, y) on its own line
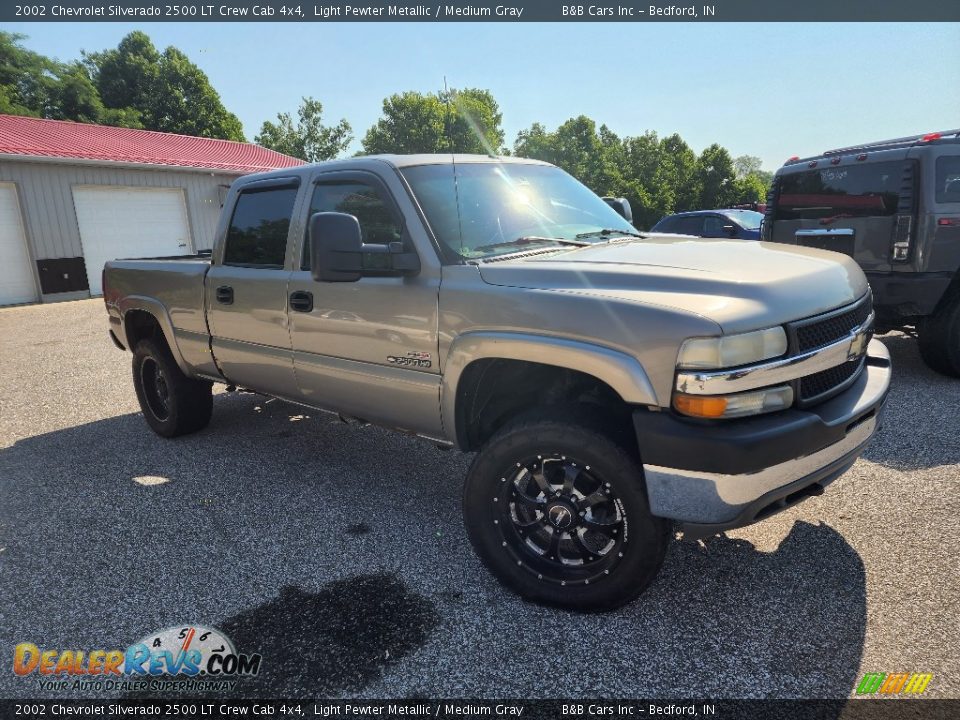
point(867, 190)
point(948, 179)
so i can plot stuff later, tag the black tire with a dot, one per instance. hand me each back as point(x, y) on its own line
point(172, 403)
point(514, 537)
point(939, 338)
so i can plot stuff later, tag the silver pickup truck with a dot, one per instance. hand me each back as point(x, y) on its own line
point(611, 383)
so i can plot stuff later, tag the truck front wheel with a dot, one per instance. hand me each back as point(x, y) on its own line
point(557, 511)
point(172, 403)
point(939, 338)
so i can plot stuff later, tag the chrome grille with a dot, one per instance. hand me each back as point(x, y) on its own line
point(828, 382)
point(817, 332)
point(822, 330)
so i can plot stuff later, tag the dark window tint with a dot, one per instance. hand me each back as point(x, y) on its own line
point(868, 190)
point(258, 229)
point(713, 226)
point(689, 225)
point(378, 224)
point(948, 179)
point(667, 225)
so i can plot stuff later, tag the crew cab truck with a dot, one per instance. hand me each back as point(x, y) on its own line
point(894, 207)
point(611, 383)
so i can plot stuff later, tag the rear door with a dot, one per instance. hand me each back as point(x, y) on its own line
point(246, 289)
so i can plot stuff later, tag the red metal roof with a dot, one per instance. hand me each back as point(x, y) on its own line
point(61, 139)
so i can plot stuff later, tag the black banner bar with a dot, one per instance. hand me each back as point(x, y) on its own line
point(460, 709)
point(481, 11)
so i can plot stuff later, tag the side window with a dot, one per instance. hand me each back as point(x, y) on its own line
point(713, 226)
point(259, 227)
point(667, 225)
point(948, 179)
point(690, 225)
point(378, 223)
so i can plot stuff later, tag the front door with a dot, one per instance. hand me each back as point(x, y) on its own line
point(367, 348)
point(246, 291)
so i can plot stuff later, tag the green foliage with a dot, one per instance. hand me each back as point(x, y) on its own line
point(309, 139)
point(135, 85)
point(26, 78)
point(132, 85)
point(658, 176)
point(463, 121)
point(166, 90)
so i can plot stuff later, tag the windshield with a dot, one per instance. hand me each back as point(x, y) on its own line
point(748, 219)
point(496, 208)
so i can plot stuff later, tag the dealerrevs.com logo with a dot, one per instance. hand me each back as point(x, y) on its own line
point(894, 683)
point(187, 657)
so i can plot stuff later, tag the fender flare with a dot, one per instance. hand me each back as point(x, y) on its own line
point(159, 312)
point(620, 371)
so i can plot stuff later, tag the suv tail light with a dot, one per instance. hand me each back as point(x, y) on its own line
point(906, 210)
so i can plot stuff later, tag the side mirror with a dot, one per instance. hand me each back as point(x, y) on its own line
point(338, 253)
point(622, 206)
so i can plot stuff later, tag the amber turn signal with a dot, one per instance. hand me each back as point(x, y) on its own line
point(700, 405)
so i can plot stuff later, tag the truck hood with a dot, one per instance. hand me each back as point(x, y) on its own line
point(741, 285)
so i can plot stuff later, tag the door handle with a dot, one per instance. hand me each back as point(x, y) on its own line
point(301, 301)
point(225, 295)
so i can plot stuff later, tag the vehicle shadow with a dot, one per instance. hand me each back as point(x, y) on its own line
point(913, 437)
point(339, 555)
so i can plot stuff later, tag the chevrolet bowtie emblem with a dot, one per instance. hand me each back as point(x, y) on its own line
point(858, 344)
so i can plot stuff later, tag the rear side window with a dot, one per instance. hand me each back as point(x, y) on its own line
point(378, 223)
point(258, 229)
point(689, 225)
point(667, 225)
point(948, 179)
point(713, 226)
point(868, 190)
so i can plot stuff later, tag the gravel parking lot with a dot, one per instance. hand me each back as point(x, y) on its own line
point(338, 552)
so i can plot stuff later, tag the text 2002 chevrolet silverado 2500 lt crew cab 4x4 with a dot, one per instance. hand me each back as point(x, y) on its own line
point(612, 384)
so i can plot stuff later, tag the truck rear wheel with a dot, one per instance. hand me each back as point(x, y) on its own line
point(939, 338)
point(557, 511)
point(172, 403)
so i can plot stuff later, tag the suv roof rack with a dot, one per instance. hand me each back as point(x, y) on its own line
point(897, 142)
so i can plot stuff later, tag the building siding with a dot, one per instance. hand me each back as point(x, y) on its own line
point(46, 199)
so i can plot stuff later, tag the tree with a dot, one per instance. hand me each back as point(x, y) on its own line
point(126, 76)
point(310, 139)
point(747, 165)
point(162, 91)
point(716, 177)
point(183, 101)
point(464, 121)
point(26, 78)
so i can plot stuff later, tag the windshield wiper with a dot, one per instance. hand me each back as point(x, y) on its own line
point(610, 231)
point(530, 240)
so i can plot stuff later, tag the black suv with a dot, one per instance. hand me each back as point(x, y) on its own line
point(893, 206)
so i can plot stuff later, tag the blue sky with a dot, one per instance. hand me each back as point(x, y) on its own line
point(772, 90)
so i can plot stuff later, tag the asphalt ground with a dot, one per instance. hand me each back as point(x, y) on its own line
point(338, 552)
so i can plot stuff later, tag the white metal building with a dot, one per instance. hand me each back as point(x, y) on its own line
point(73, 196)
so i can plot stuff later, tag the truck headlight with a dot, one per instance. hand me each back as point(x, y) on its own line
point(754, 402)
point(732, 350)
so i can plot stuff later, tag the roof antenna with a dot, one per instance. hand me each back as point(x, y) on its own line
point(453, 160)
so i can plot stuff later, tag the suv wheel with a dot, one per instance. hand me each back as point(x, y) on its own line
point(172, 403)
point(557, 511)
point(939, 338)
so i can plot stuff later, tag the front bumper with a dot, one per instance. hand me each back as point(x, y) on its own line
point(720, 475)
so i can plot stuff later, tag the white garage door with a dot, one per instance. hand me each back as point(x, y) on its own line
point(119, 222)
point(16, 274)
